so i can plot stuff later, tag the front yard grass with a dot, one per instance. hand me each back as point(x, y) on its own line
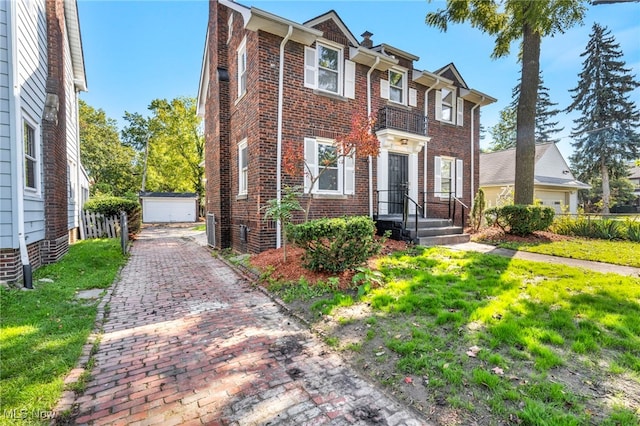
point(42, 331)
point(492, 340)
point(625, 253)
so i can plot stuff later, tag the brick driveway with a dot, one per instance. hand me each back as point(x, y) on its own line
point(188, 341)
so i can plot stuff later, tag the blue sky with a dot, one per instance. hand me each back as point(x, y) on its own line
point(137, 51)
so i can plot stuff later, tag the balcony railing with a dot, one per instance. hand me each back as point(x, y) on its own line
point(400, 119)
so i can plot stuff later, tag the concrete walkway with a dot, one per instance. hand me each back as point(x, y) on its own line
point(516, 254)
point(188, 342)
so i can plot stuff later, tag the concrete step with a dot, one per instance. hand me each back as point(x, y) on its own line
point(443, 230)
point(443, 240)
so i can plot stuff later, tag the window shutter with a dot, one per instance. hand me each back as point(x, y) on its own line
point(384, 89)
point(349, 175)
point(413, 97)
point(439, 105)
point(459, 178)
point(437, 178)
point(349, 79)
point(310, 68)
point(460, 112)
point(311, 161)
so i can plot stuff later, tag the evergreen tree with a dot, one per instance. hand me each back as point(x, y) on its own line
point(504, 133)
point(606, 134)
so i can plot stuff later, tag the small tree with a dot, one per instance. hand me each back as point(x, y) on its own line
point(477, 211)
point(360, 142)
point(282, 211)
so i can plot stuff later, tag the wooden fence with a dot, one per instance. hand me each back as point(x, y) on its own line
point(95, 225)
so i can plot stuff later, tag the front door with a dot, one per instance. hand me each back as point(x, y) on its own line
point(398, 181)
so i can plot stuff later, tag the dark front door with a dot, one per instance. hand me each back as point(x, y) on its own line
point(398, 181)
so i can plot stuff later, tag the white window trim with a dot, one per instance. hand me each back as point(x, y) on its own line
point(32, 191)
point(346, 70)
point(345, 167)
point(404, 88)
point(242, 52)
point(440, 102)
point(243, 174)
point(455, 176)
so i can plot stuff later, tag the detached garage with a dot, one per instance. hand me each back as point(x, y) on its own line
point(164, 207)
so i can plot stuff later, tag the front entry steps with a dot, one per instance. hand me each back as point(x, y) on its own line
point(430, 232)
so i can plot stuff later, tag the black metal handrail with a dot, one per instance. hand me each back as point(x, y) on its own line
point(451, 201)
point(405, 212)
point(401, 119)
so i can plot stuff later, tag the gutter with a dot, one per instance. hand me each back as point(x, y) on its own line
point(18, 147)
point(279, 133)
point(370, 160)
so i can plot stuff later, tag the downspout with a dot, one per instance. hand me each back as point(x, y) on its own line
point(27, 275)
point(279, 133)
point(373, 67)
point(473, 168)
point(424, 159)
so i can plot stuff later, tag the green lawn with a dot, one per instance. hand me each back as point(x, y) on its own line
point(624, 253)
point(546, 341)
point(43, 331)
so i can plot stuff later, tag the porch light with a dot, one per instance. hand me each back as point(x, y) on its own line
point(404, 141)
point(51, 105)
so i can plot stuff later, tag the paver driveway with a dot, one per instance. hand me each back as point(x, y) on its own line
point(187, 341)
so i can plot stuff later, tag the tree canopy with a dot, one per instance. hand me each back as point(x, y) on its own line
point(606, 134)
point(110, 164)
point(172, 139)
point(508, 21)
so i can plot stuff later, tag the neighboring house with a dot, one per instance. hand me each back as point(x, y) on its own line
point(42, 182)
point(268, 83)
point(554, 185)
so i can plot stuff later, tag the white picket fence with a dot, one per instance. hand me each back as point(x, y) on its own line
point(96, 225)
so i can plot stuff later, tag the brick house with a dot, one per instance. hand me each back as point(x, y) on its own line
point(268, 82)
point(42, 182)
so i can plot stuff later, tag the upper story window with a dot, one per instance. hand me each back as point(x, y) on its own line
point(326, 71)
point(449, 108)
point(396, 86)
point(30, 157)
point(242, 68)
point(243, 168)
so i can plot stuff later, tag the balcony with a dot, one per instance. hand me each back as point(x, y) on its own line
point(401, 119)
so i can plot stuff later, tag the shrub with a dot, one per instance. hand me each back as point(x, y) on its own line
point(520, 219)
point(604, 229)
point(111, 206)
point(335, 245)
point(477, 211)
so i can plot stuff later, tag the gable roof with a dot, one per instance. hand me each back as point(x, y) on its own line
point(332, 15)
point(453, 70)
point(499, 168)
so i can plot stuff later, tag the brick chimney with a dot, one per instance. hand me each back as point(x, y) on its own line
point(367, 42)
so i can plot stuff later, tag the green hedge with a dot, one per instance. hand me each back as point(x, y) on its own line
point(335, 245)
point(111, 206)
point(520, 219)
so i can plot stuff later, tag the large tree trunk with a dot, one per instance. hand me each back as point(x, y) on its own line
point(606, 190)
point(526, 121)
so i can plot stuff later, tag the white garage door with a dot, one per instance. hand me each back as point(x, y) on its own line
point(552, 199)
point(158, 210)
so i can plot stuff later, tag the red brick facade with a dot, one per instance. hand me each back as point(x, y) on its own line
point(307, 113)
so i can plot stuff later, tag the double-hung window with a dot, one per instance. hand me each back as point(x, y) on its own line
point(326, 171)
point(449, 108)
point(242, 68)
point(396, 86)
point(30, 157)
point(243, 168)
point(326, 70)
point(448, 177)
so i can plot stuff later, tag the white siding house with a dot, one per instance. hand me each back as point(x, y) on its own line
point(31, 119)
